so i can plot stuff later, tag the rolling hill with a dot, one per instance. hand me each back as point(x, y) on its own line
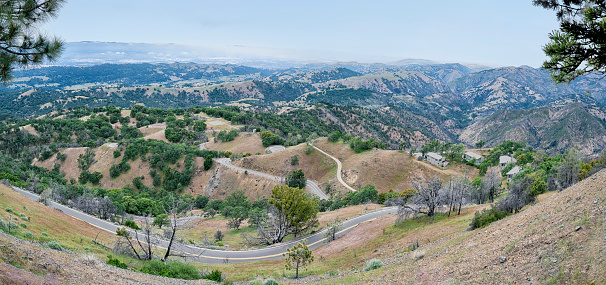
point(553, 129)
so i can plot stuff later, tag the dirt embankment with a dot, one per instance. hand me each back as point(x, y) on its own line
point(220, 181)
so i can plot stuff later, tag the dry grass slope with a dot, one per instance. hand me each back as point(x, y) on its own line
point(559, 240)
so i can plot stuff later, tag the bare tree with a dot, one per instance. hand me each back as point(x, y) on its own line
point(141, 246)
point(428, 194)
point(173, 209)
point(569, 168)
point(332, 229)
point(491, 183)
point(459, 190)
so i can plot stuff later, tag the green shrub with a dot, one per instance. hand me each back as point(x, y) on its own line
point(214, 275)
point(54, 245)
point(115, 262)
point(117, 153)
point(44, 234)
point(12, 225)
point(28, 235)
point(270, 282)
point(23, 225)
point(131, 224)
point(10, 210)
point(373, 264)
point(24, 217)
point(485, 217)
point(172, 269)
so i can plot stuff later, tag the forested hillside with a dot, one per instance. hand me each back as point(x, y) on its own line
point(394, 104)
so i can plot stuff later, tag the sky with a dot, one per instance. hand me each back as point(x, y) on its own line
point(486, 32)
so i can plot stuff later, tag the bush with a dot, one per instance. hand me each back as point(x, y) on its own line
point(485, 217)
point(115, 262)
point(131, 224)
point(117, 153)
point(214, 275)
point(12, 225)
point(373, 264)
point(172, 269)
point(54, 245)
point(28, 235)
point(270, 282)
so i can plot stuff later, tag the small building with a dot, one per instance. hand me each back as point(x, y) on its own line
point(505, 159)
point(513, 172)
point(436, 159)
point(468, 156)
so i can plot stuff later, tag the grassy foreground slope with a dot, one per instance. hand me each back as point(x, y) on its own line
point(559, 240)
point(30, 261)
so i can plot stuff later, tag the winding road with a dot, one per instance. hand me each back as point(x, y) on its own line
point(222, 256)
point(339, 167)
point(313, 187)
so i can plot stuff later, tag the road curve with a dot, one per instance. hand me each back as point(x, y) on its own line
point(339, 167)
point(222, 256)
point(310, 184)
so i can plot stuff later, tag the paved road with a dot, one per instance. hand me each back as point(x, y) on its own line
point(339, 167)
point(310, 184)
point(223, 256)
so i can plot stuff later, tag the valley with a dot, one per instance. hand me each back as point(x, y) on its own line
point(359, 139)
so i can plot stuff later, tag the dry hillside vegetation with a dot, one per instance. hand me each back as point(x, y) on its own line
point(104, 159)
point(30, 130)
point(385, 169)
point(244, 143)
point(220, 181)
point(81, 262)
point(559, 240)
point(316, 165)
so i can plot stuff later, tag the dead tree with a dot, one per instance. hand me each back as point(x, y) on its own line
point(492, 182)
point(428, 194)
point(173, 211)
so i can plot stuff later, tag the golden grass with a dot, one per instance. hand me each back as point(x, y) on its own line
point(69, 232)
point(244, 143)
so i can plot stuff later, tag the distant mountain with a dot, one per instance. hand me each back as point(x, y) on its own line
point(552, 128)
point(413, 61)
point(450, 102)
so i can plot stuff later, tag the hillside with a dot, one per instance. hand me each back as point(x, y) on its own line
point(559, 240)
point(80, 262)
point(392, 103)
point(553, 129)
point(358, 169)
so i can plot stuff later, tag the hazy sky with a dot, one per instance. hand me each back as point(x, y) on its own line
point(491, 32)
